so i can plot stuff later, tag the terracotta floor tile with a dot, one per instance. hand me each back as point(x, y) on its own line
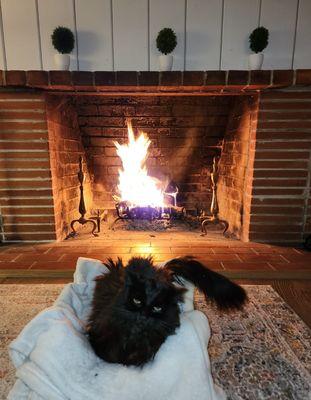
point(115, 250)
point(8, 256)
point(32, 257)
point(14, 265)
point(298, 257)
point(73, 257)
point(44, 246)
point(25, 249)
point(220, 257)
point(201, 250)
point(3, 248)
point(64, 249)
point(126, 243)
point(211, 244)
point(291, 266)
point(181, 250)
point(177, 244)
point(149, 249)
point(54, 265)
point(261, 258)
point(278, 250)
point(163, 246)
point(234, 250)
point(254, 245)
point(246, 266)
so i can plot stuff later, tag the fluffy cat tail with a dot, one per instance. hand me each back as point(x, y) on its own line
point(226, 294)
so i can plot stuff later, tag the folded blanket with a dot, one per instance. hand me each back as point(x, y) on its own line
point(54, 360)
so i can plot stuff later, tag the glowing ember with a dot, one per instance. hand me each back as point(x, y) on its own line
point(136, 187)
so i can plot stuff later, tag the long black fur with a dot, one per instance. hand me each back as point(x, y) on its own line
point(136, 307)
point(216, 288)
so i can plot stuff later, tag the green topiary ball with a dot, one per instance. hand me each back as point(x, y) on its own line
point(166, 40)
point(63, 40)
point(259, 39)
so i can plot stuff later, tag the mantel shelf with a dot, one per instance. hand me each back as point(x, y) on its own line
point(153, 82)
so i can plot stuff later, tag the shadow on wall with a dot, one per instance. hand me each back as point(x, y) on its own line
point(91, 44)
point(66, 147)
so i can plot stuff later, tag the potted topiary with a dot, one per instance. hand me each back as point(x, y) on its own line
point(166, 43)
point(258, 41)
point(63, 41)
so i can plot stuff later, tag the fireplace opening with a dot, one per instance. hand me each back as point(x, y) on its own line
point(184, 138)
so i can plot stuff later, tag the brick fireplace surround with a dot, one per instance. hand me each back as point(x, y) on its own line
point(259, 123)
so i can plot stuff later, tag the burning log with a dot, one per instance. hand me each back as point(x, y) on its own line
point(124, 211)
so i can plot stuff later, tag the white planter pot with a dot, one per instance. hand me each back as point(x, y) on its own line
point(166, 62)
point(255, 61)
point(62, 61)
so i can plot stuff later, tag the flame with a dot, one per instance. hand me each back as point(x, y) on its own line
point(136, 187)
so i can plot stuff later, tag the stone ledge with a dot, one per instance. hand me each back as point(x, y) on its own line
point(156, 82)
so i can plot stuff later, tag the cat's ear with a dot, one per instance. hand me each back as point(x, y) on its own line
point(114, 268)
point(112, 265)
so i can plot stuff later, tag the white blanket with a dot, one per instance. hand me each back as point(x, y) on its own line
point(54, 360)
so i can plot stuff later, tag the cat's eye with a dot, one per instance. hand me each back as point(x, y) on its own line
point(137, 302)
point(156, 309)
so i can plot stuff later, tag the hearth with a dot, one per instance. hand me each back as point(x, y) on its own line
point(258, 133)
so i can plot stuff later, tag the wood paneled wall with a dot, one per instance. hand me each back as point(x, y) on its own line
point(120, 34)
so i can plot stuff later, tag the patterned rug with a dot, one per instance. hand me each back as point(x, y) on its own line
point(261, 353)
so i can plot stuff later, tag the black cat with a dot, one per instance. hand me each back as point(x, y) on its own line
point(135, 308)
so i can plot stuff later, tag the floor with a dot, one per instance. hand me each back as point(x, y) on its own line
point(231, 257)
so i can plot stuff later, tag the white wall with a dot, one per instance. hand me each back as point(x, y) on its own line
point(120, 34)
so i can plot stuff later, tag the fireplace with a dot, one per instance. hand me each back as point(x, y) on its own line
point(258, 133)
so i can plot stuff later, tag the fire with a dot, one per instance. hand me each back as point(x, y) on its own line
point(136, 187)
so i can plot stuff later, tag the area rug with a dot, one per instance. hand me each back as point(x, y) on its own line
point(261, 353)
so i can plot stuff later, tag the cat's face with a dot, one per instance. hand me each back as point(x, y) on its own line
point(149, 292)
point(149, 298)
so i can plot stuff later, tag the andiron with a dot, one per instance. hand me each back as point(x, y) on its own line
point(213, 218)
point(82, 209)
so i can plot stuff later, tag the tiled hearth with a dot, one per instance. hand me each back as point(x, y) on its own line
point(230, 257)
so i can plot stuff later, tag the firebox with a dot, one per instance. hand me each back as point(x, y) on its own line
point(146, 157)
point(249, 141)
